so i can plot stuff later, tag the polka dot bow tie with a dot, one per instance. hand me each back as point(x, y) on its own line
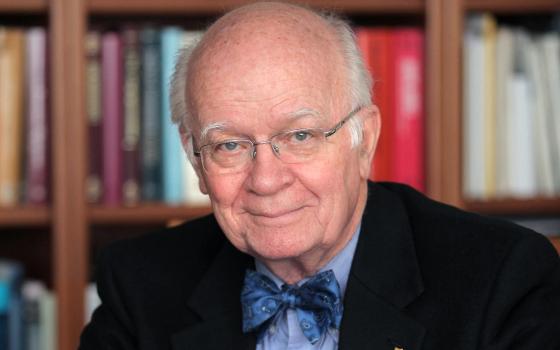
point(317, 303)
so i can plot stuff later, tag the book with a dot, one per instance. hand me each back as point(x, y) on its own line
point(504, 73)
point(37, 121)
point(489, 34)
point(47, 321)
point(94, 182)
point(112, 102)
point(172, 150)
point(375, 44)
point(408, 137)
point(473, 110)
point(539, 111)
point(11, 115)
point(548, 45)
point(151, 115)
point(131, 131)
point(92, 301)
point(32, 291)
point(521, 171)
point(11, 279)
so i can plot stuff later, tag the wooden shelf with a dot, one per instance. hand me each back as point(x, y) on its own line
point(508, 206)
point(144, 214)
point(196, 7)
point(22, 216)
point(23, 6)
point(512, 6)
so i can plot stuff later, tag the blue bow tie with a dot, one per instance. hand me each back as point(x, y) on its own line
point(317, 303)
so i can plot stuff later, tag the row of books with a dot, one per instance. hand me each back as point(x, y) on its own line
point(395, 58)
point(24, 132)
point(511, 85)
point(135, 152)
point(27, 311)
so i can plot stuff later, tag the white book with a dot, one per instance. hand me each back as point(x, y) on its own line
point(193, 196)
point(549, 48)
point(48, 321)
point(521, 180)
point(545, 181)
point(504, 72)
point(92, 301)
point(473, 110)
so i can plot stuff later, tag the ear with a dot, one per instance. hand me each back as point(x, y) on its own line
point(371, 127)
point(186, 141)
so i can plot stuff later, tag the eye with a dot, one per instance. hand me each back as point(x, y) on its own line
point(228, 146)
point(301, 136)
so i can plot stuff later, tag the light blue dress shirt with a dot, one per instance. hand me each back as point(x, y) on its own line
point(285, 332)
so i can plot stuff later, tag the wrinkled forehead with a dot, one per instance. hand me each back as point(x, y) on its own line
point(258, 55)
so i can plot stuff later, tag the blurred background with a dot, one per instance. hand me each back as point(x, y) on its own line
point(469, 92)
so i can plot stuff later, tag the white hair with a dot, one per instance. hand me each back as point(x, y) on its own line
point(359, 82)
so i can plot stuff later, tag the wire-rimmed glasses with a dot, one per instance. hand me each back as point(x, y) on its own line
point(291, 147)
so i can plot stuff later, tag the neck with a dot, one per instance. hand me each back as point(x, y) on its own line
point(293, 270)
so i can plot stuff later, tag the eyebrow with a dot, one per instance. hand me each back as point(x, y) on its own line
point(221, 126)
point(211, 127)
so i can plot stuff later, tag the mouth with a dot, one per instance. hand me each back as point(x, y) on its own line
point(277, 217)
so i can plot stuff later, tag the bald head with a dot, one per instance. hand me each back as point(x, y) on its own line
point(270, 38)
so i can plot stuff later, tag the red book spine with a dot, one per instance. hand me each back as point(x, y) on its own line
point(112, 101)
point(408, 139)
point(37, 117)
point(381, 67)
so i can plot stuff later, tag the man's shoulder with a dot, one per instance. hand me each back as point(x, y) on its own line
point(187, 248)
point(446, 233)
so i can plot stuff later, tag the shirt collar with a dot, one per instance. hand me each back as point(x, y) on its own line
point(340, 264)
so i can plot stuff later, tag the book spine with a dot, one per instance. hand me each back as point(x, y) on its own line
point(131, 136)
point(381, 66)
point(408, 142)
point(112, 100)
point(172, 151)
point(94, 183)
point(151, 110)
point(11, 115)
point(37, 123)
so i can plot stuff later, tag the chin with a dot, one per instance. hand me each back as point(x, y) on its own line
point(278, 246)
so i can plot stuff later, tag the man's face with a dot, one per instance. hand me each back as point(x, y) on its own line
point(273, 210)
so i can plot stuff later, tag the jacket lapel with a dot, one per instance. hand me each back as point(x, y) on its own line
point(384, 279)
point(216, 301)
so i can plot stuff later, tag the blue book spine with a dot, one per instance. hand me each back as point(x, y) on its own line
point(11, 313)
point(4, 306)
point(172, 151)
point(151, 115)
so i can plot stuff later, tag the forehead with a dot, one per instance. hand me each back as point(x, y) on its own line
point(265, 66)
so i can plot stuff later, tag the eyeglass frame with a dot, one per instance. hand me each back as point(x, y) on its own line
point(327, 133)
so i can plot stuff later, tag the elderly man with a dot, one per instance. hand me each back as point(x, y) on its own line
point(274, 110)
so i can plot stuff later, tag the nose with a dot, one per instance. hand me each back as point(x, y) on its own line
point(268, 174)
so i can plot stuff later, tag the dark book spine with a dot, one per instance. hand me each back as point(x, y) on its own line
point(94, 183)
point(36, 188)
point(112, 101)
point(151, 121)
point(131, 135)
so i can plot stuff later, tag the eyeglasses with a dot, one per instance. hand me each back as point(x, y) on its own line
point(292, 147)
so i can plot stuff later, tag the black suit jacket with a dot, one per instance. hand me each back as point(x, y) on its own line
point(424, 276)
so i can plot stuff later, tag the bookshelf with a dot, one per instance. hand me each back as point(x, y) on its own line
point(69, 225)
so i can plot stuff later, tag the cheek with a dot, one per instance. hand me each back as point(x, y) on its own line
point(224, 190)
